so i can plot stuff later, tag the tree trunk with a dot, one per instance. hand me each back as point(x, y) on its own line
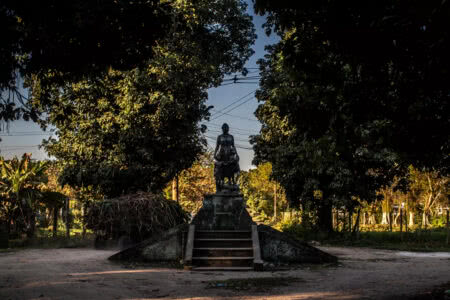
point(396, 218)
point(385, 218)
point(55, 221)
point(336, 220)
point(325, 221)
point(175, 196)
point(350, 220)
point(356, 226)
point(83, 221)
point(372, 220)
point(425, 221)
point(411, 219)
point(31, 225)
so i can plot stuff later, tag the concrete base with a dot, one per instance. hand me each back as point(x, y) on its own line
point(167, 247)
point(221, 212)
point(277, 246)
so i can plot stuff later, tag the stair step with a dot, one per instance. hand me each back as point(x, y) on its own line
point(224, 257)
point(222, 243)
point(222, 231)
point(222, 269)
point(229, 234)
point(222, 239)
point(211, 251)
point(230, 249)
point(223, 261)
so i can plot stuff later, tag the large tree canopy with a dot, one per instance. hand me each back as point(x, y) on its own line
point(128, 130)
point(352, 94)
point(399, 49)
point(72, 40)
point(78, 37)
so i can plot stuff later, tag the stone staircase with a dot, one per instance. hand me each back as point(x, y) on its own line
point(226, 250)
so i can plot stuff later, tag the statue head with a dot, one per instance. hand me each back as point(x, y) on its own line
point(225, 128)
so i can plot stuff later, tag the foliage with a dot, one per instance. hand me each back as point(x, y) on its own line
point(72, 40)
point(138, 216)
point(398, 50)
point(353, 94)
point(429, 190)
point(259, 191)
point(19, 189)
point(127, 131)
point(194, 183)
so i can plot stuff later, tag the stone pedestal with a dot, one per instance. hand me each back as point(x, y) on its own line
point(223, 211)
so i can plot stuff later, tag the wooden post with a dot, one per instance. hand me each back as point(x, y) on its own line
point(406, 223)
point(178, 189)
point(336, 220)
point(67, 217)
point(175, 196)
point(390, 221)
point(55, 221)
point(275, 202)
point(83, 223)
point(401, 224)
point(448, 226)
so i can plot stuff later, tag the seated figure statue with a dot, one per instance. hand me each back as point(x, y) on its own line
point(226, 160)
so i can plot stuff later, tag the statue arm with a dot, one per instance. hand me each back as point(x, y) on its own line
point(217, 146)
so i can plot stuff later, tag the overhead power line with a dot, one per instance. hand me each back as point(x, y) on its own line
point(232, 128)
point(234, 102)
point(236, 145)
point(242, 118)
point(233, 108)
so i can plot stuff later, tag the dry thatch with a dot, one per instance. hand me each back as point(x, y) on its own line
point(138, 216)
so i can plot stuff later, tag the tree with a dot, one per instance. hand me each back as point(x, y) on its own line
point(260, 191)
point(134, 130)
point(73, 40)
point(428, 189)
point(194, 183)
point(310, 134)
point(19, 188)
point(398, 49)
point(343, 117)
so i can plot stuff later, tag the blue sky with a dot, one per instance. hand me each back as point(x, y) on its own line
point(233, 104)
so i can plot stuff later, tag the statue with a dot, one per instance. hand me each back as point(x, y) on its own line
point(226, 160)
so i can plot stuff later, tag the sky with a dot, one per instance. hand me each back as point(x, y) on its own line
point(234, 104)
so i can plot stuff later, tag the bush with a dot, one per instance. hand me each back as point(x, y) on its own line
point(138, 216)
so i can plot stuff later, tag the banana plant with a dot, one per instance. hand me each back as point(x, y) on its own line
point(19, 185)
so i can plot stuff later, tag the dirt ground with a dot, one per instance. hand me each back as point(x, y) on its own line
point(87, 274)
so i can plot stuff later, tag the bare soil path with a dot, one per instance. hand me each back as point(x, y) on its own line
point(87, 274)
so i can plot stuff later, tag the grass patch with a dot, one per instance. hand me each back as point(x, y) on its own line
point(48, 242)
point(254, 284)
point(429, 240)
point(423, 241)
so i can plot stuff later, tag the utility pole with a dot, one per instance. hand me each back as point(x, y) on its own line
point(275, 201)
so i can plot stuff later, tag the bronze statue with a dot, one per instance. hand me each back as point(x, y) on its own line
point(226, 159)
